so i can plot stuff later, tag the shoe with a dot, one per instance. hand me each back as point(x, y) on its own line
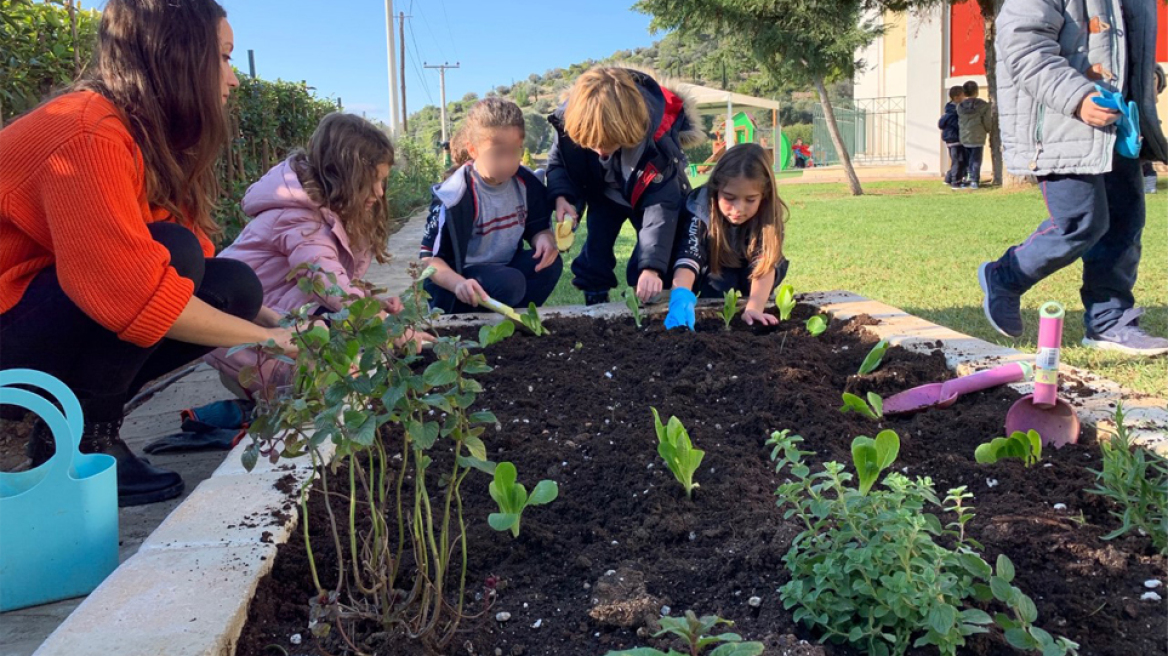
point(1126, 336)
point(973, 185)
point(595, 298)
point(1002, 309)
point(956, 187)
point(139, 482)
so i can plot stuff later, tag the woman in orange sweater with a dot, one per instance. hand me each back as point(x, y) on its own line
point(106, 192)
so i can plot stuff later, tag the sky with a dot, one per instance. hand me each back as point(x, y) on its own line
point(339, 47)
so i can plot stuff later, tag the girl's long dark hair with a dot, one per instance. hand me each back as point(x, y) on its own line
point(751, 162)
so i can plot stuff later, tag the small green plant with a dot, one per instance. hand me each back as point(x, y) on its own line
point(875, 569)
point(873, 408)
point(634, 305)
point(785, 301)
point(490, 335)
point(1026, 447)
point(512, 498)
point(695, 632)
point(817, 325)
point(730, 306)
point(532, 321)
point(676, 449)
point(1136, 480)
point(873, 456)
point(873, 359)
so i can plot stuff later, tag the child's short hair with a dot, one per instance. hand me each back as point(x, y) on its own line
point(956, 92)
point(339, 168)
point(459, 154)
point(606, 110)
point(969, 89)
point(487, 114)
point(749, 161)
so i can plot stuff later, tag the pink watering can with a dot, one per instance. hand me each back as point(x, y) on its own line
point(1043, 411)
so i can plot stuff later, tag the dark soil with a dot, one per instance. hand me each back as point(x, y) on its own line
point(574, 407)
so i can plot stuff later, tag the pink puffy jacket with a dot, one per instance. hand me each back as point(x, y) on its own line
point(288, 229)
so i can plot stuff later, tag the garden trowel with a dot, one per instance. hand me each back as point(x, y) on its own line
point(943, 395)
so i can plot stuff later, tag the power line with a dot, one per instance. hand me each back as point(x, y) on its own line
point(446, 17)
point(433, 37)
point(417, 58)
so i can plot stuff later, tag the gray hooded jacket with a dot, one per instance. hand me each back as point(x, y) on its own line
point(1051, 53)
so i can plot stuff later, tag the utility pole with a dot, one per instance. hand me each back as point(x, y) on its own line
point(251, 63)
point(394, 120)
point(442, 91)
point(402, 36)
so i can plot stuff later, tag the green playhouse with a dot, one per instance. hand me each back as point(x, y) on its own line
point(740, 127)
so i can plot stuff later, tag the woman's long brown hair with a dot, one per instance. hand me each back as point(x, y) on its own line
point(158, 62)
point(748, 161)
point(338, 171)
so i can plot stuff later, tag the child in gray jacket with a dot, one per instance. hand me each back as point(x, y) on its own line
point(974, 124)
point(1056, 60)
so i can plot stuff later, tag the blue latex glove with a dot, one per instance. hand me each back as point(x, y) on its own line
point(681, 309)
point(1127, 128)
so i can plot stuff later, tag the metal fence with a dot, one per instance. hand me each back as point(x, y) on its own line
point(872, 130)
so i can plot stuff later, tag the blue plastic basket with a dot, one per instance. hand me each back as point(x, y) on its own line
point(59, 521)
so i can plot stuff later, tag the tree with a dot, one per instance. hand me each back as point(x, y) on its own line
point(807, 42)
point(470, 98)
point(538, 132)
point(520, 95)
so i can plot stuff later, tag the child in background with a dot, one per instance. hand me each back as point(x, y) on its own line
point(974, 126)
point(951, 135)
point(323, 206)
point(731, 237)
point(481, 214)
point(618, 150)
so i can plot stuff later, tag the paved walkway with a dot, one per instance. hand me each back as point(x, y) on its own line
point(22, 631)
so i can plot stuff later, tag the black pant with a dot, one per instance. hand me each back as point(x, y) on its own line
point(47, 332)
point(593, 269)
point(714, 285)
point(973, 156)
point(957, 157)
point(516, 283)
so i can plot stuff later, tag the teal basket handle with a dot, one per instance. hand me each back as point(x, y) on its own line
point(67, 426)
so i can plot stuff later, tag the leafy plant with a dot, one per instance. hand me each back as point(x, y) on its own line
point(532, 321)
point(353, 388)
point(676, 449)
point(695, 632)
point(869, 568)
point(1026, 447)
point(873, 408)
point(817, 325)
point(490, 335)
point(873, 359)
point(785, 301)
point(730, 306)
point(634, 306)
point(873, 456)
point(1136, 480)
point(512, 498)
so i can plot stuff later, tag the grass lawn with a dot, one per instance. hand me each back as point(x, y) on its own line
point(917, 246)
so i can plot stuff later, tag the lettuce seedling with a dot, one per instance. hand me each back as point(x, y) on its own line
point(785, 301)
point(634, 305)
point(872, 409)
point(532, 321)
point(676, 449)
point(816, 325)
point(1026, 447)
point(693, 630)
point(512, 498)
point(489, 335)
point(730, 306)
point(872, 360)
point(873, 456)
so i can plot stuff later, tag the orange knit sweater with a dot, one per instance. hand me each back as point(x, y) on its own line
point(73, 195)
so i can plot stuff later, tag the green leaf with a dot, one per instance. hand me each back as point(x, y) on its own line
point(1005, 569)
point(640, 651)
point(941, 618)
point(1001, 588)
point(975, 616)
point(440, 373)
point(1019, 639)
point(367, 432)
point(502, 521)
point(1027, 610)
point(985, 454)
point(816, 325)
point(475, 446)
point(485, 466)
point(887, 448)
point(785, 300)
point(544, 492)
point(874, 357)
point(739, 649)
point(483, 417)
point(877, 404)
point(250, 457)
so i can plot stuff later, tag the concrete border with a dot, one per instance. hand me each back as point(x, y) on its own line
point(186, 592)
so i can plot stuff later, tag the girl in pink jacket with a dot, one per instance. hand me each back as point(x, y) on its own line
point(324, 206)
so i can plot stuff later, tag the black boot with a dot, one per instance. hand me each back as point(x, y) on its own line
point(595, 298)
point(139, 482)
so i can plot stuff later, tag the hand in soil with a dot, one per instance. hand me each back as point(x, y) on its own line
point(649, 285)
point(751, 316)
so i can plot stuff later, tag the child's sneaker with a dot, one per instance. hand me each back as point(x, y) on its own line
point(595, 298)
point(973, 185)
point(1003, 309)
point(1149, 184)
point(1126, 336)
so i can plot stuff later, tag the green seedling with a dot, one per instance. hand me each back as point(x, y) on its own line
point(730, 306)
point(785, 301)
point(694, 631)
point(873, 359)
point(1026, 447)
point(873, 408)
point(817, 325)
point(512, 498)
point(676, 449)
point(532, 322)
point(1136, 480)
point(634, 305)
point(873, 456)
point(490, 335)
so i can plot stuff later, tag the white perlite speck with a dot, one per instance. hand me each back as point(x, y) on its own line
point(502, 616)
point(295, 639)
point(1152, 584)
point(754, 602)
point(1151, 596)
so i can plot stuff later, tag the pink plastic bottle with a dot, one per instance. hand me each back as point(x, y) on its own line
point(1050, 340)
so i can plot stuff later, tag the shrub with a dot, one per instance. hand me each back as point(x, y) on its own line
point(1136, 480)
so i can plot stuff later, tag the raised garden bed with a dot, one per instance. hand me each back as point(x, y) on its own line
point(574, 407)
